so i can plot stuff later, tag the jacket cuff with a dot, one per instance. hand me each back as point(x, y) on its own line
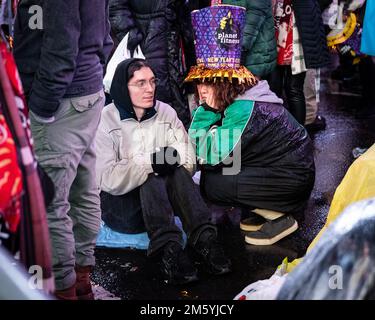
point(41, 107)
point(40, 119)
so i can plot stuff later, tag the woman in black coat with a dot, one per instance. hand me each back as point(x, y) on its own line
point(254, 155)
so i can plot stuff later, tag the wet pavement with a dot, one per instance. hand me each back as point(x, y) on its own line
point(129, 274)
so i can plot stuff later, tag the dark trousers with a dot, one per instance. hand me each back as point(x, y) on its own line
point(123, 213)
point(162, 197)
point(274, 189)
point(282, 78)
point(367, 75)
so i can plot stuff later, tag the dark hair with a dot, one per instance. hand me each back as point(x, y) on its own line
point(226, 92)
point(135, 66)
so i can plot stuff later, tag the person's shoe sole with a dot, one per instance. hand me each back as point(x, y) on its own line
point(268, 242)
point(253, 223)
point(250, 227)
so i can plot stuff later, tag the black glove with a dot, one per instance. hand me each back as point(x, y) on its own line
point(135, 38)
point(165, 161)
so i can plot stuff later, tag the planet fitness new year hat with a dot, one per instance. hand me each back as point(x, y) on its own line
point(218, 32)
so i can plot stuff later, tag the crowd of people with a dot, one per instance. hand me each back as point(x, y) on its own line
point(130, 163)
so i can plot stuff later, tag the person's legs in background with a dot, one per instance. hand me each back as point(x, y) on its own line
point(282, 79)
point(310, 96)
point(295, 95)
point(367, 76)
point(313, 122)
point(346, 69)
point(276, 80)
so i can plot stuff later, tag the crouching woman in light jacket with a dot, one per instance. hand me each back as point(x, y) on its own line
point(144, 167)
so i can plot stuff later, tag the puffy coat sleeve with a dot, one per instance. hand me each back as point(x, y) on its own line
point(114, 175)
point(121, 18)
point(187, 33)
point(256, 13)
point(108, 42)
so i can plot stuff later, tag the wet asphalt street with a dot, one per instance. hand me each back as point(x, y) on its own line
point(129, 274)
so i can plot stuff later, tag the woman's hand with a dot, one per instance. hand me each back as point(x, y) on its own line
point(210, 100)
point(207, 95)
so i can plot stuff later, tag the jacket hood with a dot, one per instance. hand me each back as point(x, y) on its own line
point(120, 93)
point(261, 93)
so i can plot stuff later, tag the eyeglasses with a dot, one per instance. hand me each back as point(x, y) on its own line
point(142, 84)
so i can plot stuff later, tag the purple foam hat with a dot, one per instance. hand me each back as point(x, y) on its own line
point(218, 32)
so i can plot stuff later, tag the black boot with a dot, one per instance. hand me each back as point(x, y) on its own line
point(211, 253)
point(176, 265)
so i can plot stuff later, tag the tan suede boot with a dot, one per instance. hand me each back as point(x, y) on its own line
point(83, 284)
point(67, 294)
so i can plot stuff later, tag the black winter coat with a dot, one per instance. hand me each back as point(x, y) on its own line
point(277, 165)
point(162, 28)
point(312, 33)
point(259, 44)
point(324, 4)
point(64, 55)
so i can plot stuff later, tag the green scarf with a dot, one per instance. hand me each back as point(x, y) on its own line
point(215, 143)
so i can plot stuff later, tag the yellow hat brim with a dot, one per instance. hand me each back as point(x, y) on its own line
point(201, 73)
